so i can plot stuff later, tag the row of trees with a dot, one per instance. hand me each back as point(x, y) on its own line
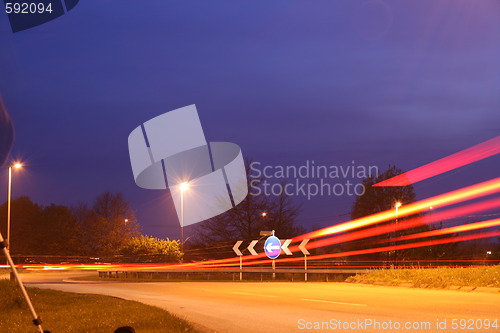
point(107, 227)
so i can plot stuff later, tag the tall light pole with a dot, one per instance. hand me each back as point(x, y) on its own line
point(184, 187)
point(16, 166)
point(397, 205)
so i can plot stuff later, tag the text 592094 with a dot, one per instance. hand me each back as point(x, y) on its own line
point(28, 8)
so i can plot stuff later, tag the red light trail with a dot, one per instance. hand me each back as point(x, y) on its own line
point(453, 197)
point(406, 224)
point(442, 200)
point(454, 161)
point(379, 249)
point(451, 230)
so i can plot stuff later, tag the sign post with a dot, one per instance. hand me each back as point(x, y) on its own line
point(302, 247)
point(272, 248)
point(305, 267)
point(239, 254)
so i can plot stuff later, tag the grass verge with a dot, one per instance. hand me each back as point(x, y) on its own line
point(443, 277)
point(69, 312)
point(19, 270)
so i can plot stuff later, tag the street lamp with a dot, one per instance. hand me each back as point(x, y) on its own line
point(264, 215)
point(398, 204)
point(16, 165)
point(184, 187)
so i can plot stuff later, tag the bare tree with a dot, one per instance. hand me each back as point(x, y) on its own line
point(245, 221)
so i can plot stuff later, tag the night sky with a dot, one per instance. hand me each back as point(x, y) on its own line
point(375, 82)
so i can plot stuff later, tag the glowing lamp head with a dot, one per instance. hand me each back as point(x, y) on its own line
point(431, 208)
point(398, 204)
point(264, 214)
point(184, 186)
point(17, 165)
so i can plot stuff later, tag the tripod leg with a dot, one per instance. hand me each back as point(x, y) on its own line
point(36, 320)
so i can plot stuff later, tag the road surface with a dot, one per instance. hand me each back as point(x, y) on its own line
point(300, 307)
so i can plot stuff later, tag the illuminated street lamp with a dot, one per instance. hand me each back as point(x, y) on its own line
point(398, 204)
point(264, 215)
point(16, 165)
point(184, 187)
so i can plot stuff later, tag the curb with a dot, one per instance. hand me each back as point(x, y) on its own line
point(487, 289)
point(492, 290)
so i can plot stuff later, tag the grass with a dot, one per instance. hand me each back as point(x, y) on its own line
point(19, 270)
point(69, 312)
point(484, 276)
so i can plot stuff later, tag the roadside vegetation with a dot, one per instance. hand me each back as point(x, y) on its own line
point(106, 229)
point(69, 312)
point(443, 277)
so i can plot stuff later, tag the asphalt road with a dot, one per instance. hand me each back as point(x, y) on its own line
point(300, 307)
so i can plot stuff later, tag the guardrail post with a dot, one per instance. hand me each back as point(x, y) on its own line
point(241, 268)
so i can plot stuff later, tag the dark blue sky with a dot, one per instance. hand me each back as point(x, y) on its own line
point(378, 82)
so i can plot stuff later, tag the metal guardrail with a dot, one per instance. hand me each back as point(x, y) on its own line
point(252, 274)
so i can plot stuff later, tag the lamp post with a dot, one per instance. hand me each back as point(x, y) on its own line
point(16, 166)
point(397, 205)
point(184, 187)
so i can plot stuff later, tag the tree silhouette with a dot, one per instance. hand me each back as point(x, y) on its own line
point(379, 199)
point(109, 225)
point(245, 221)
point(37, 230)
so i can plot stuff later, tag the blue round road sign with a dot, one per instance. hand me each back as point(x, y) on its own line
point(272, 247)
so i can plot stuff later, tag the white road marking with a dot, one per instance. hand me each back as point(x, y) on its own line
point(332, 302)
point(250, 294)
point(194, 288)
